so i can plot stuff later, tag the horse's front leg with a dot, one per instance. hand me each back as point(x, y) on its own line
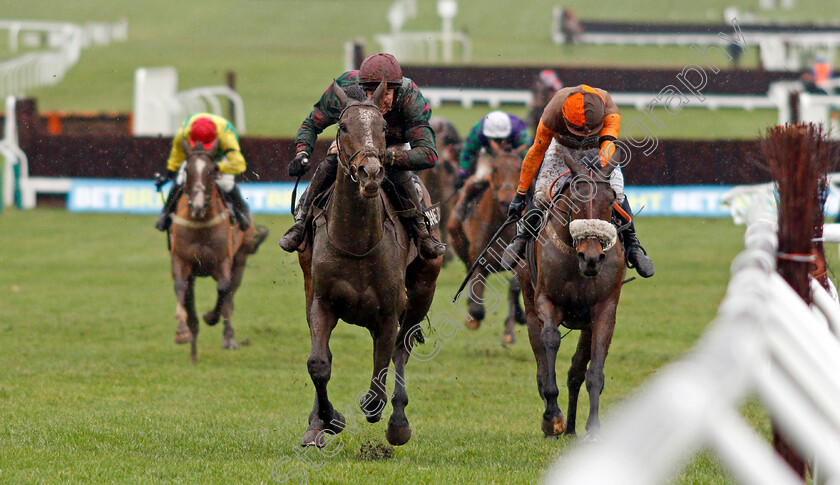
point(384, 335)
point(185, 313)
point(237, 271)
point(475, 296)
point(603, 324)
point(553, 422)
point(222, 307)
point(577, 374)
point(515, 313)
point(323, 418)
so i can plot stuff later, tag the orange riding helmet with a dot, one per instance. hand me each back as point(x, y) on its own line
point(583, 111)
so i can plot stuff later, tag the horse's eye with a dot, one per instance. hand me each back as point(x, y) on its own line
point(383, 128)
point(342, 127)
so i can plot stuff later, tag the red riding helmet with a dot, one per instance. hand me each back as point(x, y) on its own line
point(203, 130)
point(380, 65)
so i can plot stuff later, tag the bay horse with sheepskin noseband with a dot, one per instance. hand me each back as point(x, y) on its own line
point(579, 266)
point(204, 242)
point(472, 235)
point(361, 267)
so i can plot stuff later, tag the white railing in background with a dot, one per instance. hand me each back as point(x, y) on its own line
point(159, 108)
point(62, 44)
point(765, 343)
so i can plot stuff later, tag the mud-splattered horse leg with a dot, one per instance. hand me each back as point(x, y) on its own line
point(184, 284)
point(475, 296)
point(515, 313)
point(421, 280)
point(384, 336)
point(323, 417)
point(237, 272)
point(603, 325)
point(576, 377)
point(553, 423)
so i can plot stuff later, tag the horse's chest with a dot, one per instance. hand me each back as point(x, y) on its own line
point(358, 294)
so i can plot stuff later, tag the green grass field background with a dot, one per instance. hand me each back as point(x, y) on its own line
point(94, 389)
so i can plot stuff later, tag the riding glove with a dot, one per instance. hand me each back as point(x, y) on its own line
point(299, 165)
point(396, 158)
point(517, 205)
point(463, 175)
point(161, 179)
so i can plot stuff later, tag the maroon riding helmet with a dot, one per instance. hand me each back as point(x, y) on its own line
point(203, 131)
point(380, 65)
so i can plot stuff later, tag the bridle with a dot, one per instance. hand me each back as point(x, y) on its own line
point(366, 151)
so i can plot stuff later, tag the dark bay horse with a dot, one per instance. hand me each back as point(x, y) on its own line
point(362, 267)
point(472, 236)
point(204, 242)
point(442, 180)
point(578, 267)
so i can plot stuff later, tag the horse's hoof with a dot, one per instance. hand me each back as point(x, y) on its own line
point(592, 437)
point(398, 435)
point(313, 437)
point(508, 339)
point(210, 318)
point(336, 423)
point(473, 324)
point(550, 437)
point(230, 344)
point(372, 407)
point(554, 426)
point(477, 311)
point(183, 337)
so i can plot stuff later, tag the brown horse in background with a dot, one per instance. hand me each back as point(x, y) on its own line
point(473, 235)
point(205, 242)
point(577, 284)
point(442, 180)
point(361, 266)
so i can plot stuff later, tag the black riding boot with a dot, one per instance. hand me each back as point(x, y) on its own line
point(164, 220)
point(636, 255)
point(321, 181)
point(472, 191)
point(240, 208)
point(526, 230)
point(429, 247)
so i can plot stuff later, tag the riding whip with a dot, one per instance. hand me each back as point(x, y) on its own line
point(509, 220)
point(304, 162)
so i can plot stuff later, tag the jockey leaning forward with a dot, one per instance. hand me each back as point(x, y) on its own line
point(578, 117)
point(206, 128)
point(496, 131)
point(406, 115)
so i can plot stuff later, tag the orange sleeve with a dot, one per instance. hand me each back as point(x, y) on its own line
point(534, 157)
point(612, 123)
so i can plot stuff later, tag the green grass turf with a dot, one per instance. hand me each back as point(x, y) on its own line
point(94, 389)
point(286, 52)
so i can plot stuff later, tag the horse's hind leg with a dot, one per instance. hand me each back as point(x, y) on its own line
point(577, 375)
point(223, 288)
point(323, 416)
point(553, 423)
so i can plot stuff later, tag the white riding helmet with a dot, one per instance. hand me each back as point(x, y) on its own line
point(497, 125)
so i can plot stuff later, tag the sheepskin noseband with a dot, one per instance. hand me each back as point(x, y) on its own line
point(603, 231)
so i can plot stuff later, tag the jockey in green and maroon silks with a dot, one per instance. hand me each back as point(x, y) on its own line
point(406, 114)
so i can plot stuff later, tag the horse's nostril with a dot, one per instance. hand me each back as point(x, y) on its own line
point(581, 255)
point(601, 257)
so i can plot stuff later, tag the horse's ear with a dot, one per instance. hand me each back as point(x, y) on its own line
point(376, 98)
point(575, 166)
point(185, 144)
point(340, 94)
point(214, 147)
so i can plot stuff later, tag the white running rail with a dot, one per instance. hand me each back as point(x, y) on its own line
point(64, 43)
point(765, 342)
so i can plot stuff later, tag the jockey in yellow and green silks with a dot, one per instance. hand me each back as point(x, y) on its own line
point(206, 129)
